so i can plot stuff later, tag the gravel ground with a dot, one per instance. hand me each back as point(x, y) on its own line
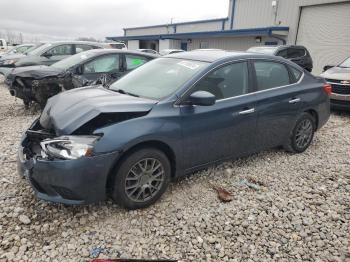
point(301, 210)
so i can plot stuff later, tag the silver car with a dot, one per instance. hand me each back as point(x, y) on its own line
point(339, 78)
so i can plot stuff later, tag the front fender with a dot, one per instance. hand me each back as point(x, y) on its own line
point(125, 135)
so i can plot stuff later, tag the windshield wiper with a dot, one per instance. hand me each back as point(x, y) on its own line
point(121, 91)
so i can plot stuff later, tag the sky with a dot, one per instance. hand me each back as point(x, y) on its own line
point(69, 19)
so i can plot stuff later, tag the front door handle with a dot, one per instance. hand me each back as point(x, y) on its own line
point(294, 100)
point(246, 112)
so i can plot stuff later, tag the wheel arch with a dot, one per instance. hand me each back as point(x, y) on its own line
point(157, 144)
point(314, 114)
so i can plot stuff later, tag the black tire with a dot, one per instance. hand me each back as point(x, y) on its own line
point(128, 169)
point(294, 143)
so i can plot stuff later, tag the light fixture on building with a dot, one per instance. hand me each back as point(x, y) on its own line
point(258, 39)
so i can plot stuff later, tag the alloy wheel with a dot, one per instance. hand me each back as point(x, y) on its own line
point(144, 180)
point(303, 135)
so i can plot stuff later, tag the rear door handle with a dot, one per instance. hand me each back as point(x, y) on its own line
point(294, 100)
point(246, 112)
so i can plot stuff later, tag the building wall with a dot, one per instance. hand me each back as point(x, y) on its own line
point(260, 13)
point(180, 28)
point(199, 27)
point(133, 44)
point(150, 31)
point(228, 43)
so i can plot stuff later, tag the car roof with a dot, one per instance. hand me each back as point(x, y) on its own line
point(117, 51)
point(75, 42)
point(172, 50)
point(276, 46)
point(213, 55)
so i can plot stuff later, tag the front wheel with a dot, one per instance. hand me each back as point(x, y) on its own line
point(141, 178)
point(302, 134)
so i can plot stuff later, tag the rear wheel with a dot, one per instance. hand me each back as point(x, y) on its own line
point(302, 134)
point(141, 178)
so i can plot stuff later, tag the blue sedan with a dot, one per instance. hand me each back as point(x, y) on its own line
point(170, 117)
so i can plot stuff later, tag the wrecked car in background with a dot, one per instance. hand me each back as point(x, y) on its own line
point(50, 53)
point(160, 121)
point(4, 70)
point(19, 49)
point(97, 66)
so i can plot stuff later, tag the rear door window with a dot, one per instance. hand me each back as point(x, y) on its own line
point(283, 53)
point(61, 50)
point(271, 74)
point(296, 52)
point(104, 64)
point(134, 61)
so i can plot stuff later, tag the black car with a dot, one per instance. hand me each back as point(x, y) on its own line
point(38, 83)
point(295, 53)
point(170, 117)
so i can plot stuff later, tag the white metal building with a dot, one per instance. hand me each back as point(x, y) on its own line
point(323, 26)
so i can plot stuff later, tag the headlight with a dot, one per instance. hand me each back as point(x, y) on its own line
point(10, 62)
point(68, 147)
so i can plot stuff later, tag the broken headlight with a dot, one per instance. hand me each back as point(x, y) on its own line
point(68, 147)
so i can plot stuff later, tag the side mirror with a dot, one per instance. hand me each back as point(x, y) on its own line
point(79, 70)
point(202, 98)
point(47, 55)
point(326, 67)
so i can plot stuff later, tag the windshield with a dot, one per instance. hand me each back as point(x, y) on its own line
point(263, 50)
point(346, 63)
point(40, 49)
point(30, 50)
point(159, 78)
point(72, 60)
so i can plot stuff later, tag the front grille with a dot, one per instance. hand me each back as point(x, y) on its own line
point(341, 89)
point(333, 81)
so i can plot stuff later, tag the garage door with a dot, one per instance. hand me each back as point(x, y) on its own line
point(325, 31)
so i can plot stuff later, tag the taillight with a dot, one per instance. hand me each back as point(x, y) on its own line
point(327, 88)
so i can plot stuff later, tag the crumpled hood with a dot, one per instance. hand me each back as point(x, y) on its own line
point(337, 73)
point(36, 72)
point(68, 111)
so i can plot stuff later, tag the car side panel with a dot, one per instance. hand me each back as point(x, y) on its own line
point(162, 125)
point(276, 115)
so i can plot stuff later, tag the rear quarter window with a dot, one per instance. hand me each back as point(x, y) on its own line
point(296, 73)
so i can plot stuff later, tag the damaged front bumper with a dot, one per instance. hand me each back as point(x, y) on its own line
point(79, 181)
point(5, 71)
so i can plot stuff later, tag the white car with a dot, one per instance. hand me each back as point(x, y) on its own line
point(3, 45)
